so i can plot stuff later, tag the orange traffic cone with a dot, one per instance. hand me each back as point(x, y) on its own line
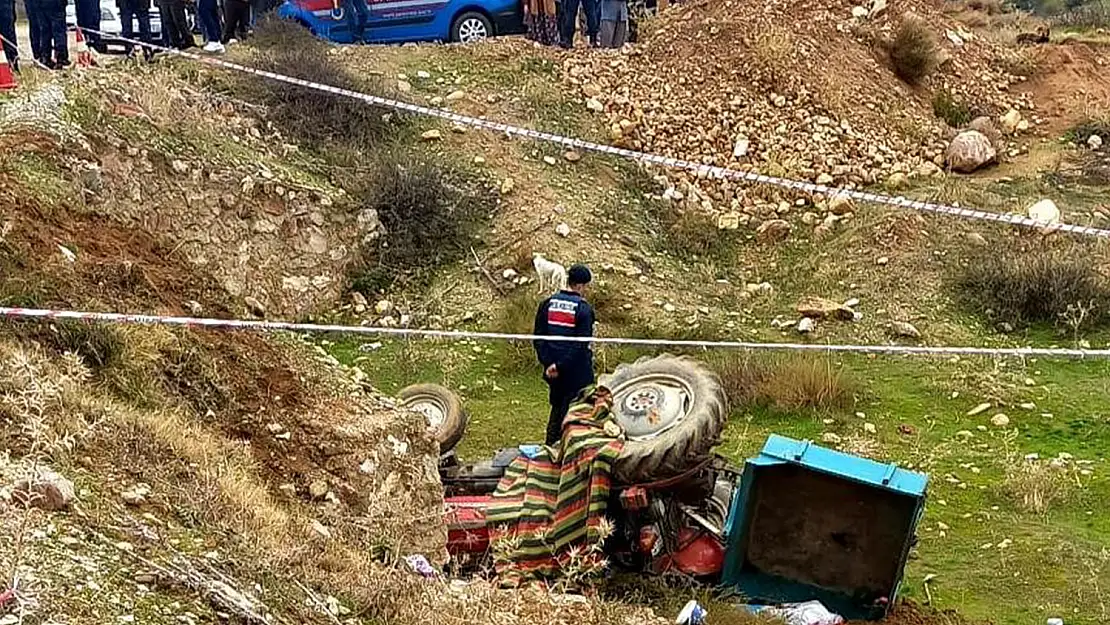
point(7, 78)
point(84, 57)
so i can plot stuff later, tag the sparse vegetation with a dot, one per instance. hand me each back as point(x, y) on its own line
point(773, 48)
point(517, 316)
point(1098, 125)
point(608, 304)
point(1089, 15)
point(1037, 485)
point(314, 118)
point(427, 215)
point(990, 7)
point(1036, 286)
point(955, 113)
point(913, 52)
point(785, 383)
point(692, 233)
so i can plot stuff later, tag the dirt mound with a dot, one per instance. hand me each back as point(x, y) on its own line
point(909, 613)
point(750, 85)
point(1072, 83)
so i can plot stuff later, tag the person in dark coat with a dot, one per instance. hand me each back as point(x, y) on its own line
point(88, 20)
point(131, 11)
point(49, 38)
point(175, 25)
point(7, 31)
point(568, 367)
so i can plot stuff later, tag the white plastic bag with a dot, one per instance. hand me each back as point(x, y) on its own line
point(807, 613)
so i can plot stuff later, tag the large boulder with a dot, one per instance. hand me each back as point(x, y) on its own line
point(969, 151)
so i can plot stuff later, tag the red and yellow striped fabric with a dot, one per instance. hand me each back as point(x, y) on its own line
point(548, 511)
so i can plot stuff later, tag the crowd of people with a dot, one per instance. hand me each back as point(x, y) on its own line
point(555, 22)
point(221, 22)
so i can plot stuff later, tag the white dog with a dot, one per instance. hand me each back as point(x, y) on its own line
point(551, 275)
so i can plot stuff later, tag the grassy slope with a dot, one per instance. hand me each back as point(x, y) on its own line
point(1057, 561)
point(1056, 564)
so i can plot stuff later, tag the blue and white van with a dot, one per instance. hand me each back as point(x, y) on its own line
point(399, 21)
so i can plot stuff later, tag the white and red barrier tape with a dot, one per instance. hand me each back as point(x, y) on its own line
point(286, 326)
point(707, 170)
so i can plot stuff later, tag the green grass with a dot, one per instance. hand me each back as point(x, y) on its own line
point(1057, 561)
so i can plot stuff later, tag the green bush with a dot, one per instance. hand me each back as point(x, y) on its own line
point(315, 118)
point(913, 53)
point(1043, 286)
point(954, 113)
point(427, 216)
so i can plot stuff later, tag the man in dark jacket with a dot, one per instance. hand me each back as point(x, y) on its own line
point(568, 366)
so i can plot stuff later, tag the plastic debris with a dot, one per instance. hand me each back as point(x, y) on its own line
point(529, 451)
point(419, 564)
point(805, 613)
point(691, 614)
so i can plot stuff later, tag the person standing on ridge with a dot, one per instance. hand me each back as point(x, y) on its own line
point(358, 17)
point(175, 25)
point(88, 20)
point(569, 21)
point(568, 366)
point(7, 31)
point(131, 11)
point(52, 34)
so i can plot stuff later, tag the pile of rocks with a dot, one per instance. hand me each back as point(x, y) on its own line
point(727, 83)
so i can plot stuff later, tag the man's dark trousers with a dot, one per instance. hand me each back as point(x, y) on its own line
point(88, 19)
point(34, 24)
point(7, 31)
point(50, 22)
point(560, 395)
point(131, 11)
point(175, 26)
point(569, 21)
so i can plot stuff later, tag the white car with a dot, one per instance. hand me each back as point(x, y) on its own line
point(111, 24)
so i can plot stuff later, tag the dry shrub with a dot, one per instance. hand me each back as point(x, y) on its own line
point(772, 49)
point(692, 233)
point(976, 20)
point(913, 52)
point(1093, 15)
point(427, 214)
point(1023, 62)
point(990, 7)
point(517, 315)
point(1036, 286)
point(1097, 125)
point(808, 382)
point(320, 120)
point(608, 304)
point(1037, 485)
point(785, 383)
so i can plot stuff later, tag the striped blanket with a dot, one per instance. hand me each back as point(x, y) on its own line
point(547, 515)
